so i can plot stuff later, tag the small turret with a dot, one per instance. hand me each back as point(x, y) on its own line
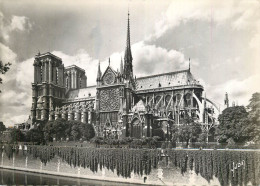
point(99, 73)
point(226, 101)
point(121, 67)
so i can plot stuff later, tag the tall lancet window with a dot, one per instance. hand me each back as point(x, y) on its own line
point(67, 82)
point(57, 75)
point(80, 82)
point(41, 73)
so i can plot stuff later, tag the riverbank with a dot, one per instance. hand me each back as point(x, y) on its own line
point(17, 177)
point(139, 166)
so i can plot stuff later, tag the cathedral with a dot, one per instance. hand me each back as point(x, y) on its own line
point(119, 104)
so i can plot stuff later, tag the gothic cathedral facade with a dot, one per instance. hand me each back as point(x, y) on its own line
point(119, 104)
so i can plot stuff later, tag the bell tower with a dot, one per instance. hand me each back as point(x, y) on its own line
point(48, 88)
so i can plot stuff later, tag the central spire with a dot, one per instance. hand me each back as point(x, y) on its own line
point(128, 67)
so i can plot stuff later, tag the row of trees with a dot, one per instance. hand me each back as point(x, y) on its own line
point(72, 130)
point(55, 130)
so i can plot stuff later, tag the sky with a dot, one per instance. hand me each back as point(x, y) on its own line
point(222, 39)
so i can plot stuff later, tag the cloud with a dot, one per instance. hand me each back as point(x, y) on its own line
point(255, 41)
point(15, 99)
point(6, 54)
point(16, 23)
point(151, 59)
point(82, 59)
point(239, 90)
point(243, 14)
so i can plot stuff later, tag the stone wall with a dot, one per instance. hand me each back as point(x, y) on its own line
point(161, 176)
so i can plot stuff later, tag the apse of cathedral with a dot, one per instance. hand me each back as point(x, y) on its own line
point(119, 104)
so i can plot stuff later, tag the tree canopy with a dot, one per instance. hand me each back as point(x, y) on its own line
point(3, 69)
point(2, 126)
point(233, 124)
point(253, 128)
point(73, 130)
point(17, 135)
point(35, 135)
point(187, 131)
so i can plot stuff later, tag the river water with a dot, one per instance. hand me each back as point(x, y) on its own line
point(13, 177)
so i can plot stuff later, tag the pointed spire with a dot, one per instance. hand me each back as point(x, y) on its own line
point(226, 101)
point(189, 64)
point(121, 67)
point(128, 67)
point(109, 61)
point(99, 73)
point(205, 100)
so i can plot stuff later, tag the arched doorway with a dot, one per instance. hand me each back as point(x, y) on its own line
point(136, 128)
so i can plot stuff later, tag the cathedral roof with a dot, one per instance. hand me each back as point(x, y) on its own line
point(88, 92)
point(139, 106)
point(171, 79)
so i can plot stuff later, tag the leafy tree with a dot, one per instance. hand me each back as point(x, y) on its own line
point(88, 131)
point(203, 137)
point(253, 128)
point(187, 131)
point(48, 131)
point(75, 132)
point(55, 129)
point(3, 69)
point(2, 126)
point(158, 132)
point(35, 135)
point(59, 127)
point(16, 135)
point(233, 124)
point(69, 125)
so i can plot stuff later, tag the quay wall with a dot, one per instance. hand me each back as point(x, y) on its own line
point(163, 175)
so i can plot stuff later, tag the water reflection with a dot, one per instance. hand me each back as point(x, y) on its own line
point(13, 177)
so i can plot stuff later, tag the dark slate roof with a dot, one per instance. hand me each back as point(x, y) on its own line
point(82, 93)
point(171, 79)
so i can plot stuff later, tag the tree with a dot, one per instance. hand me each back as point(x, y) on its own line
point(253, 128)
point(55, 129)
point(3, 69)
point(2, 126)
point(59, 127)
point(48, 131)
point(158, 132)
point(88, 131)
point(233, 124)
point(75, 132)
point(16, 135)
point(35, 135)
point(187, 131)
